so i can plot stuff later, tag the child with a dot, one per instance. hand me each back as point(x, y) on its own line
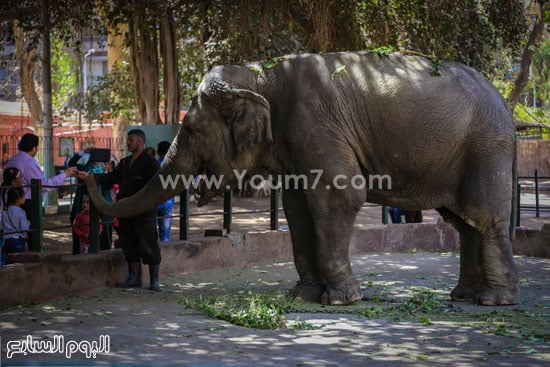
point(81, 226)
point(14, 223)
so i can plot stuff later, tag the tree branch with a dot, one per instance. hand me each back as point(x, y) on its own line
point(528, 52)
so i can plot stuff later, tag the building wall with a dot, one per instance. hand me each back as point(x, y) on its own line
point(533, 154)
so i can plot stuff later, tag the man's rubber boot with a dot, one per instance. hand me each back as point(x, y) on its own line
point(154, 277)
point(134, 276)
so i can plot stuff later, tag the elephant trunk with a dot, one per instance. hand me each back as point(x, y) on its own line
point(160, 188)
point(150, 196)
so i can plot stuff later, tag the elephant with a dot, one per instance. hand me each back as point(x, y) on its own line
point(446, 140)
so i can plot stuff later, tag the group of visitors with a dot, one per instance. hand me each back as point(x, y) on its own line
point(137, 235)
point(15, 215)
point(85, 162)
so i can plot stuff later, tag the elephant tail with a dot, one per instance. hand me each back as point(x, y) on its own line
point(515, 210)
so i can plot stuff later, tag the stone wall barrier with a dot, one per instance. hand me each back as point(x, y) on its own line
point(37, 277)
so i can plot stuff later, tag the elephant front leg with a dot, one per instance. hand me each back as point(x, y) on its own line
point(310, 287)
point(334, 213)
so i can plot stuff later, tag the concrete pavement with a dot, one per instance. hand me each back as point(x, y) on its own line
point(155, 329)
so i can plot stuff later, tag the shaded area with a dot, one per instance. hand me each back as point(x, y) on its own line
point(147, 328)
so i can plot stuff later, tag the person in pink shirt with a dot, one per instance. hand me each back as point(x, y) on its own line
point(28, 166)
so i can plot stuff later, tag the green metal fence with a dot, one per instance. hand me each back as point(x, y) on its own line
point(535, 183)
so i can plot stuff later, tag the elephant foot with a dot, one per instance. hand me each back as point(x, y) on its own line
point(343, 295)
point(465, 292)
point(307, 291)
point(498, 297)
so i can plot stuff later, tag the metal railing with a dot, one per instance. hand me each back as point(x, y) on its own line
point(37, 216)
point(36, 231)
point(534, 183)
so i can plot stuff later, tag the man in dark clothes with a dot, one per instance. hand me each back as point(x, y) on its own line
point(137, 235)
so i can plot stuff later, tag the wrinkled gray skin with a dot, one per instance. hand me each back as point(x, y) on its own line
point(446, 141)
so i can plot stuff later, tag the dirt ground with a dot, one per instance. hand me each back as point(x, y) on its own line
point(386, 329)
point(405, 318)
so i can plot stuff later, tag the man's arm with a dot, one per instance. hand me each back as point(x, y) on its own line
point(34, 171)
point(109, 178)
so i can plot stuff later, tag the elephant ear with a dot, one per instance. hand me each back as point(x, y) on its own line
point(250, 118)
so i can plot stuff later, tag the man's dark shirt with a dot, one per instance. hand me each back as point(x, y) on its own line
point(131, 178)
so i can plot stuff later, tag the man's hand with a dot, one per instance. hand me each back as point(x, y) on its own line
point(70, 171)
point(82, 174)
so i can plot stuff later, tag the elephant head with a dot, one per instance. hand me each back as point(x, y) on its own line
point(223, 131)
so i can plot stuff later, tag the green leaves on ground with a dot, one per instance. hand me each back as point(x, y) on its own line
point(425, 300)
point(426, 306)
point(252, 310)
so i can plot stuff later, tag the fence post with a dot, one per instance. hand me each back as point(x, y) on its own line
point(37, 225)
point(537, 199)
point(94, 229)
point(184, 215)
point(518, 205)
point(274, 210)
point(384, 214)
point(227, 210)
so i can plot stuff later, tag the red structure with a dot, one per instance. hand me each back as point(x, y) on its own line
point(67, 138)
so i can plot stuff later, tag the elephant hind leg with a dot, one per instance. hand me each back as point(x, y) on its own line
point(472, 278)
point(487, 270)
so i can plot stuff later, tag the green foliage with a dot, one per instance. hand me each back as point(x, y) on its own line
point(383, 50)
point(531, 115)
point(64, 78)
point(304, 325)
point(254, 311)
point(340, 69)
point(426, 306)
point(114, 93)
point(257, 69)
point(218, 32)
point(468, 31)
point(373, 312)
point(65, 18)
point(436, 64)
point(270, 64)
point(524, 113)
point(506, 324)
point(541, 69)
point(425, 300)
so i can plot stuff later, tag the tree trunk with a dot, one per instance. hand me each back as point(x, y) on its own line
point(50, 199)
point(528, 52)
point(143, 47)
point(115, 55)
point(116, 47)
point(169, 53)
point(25, 72)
